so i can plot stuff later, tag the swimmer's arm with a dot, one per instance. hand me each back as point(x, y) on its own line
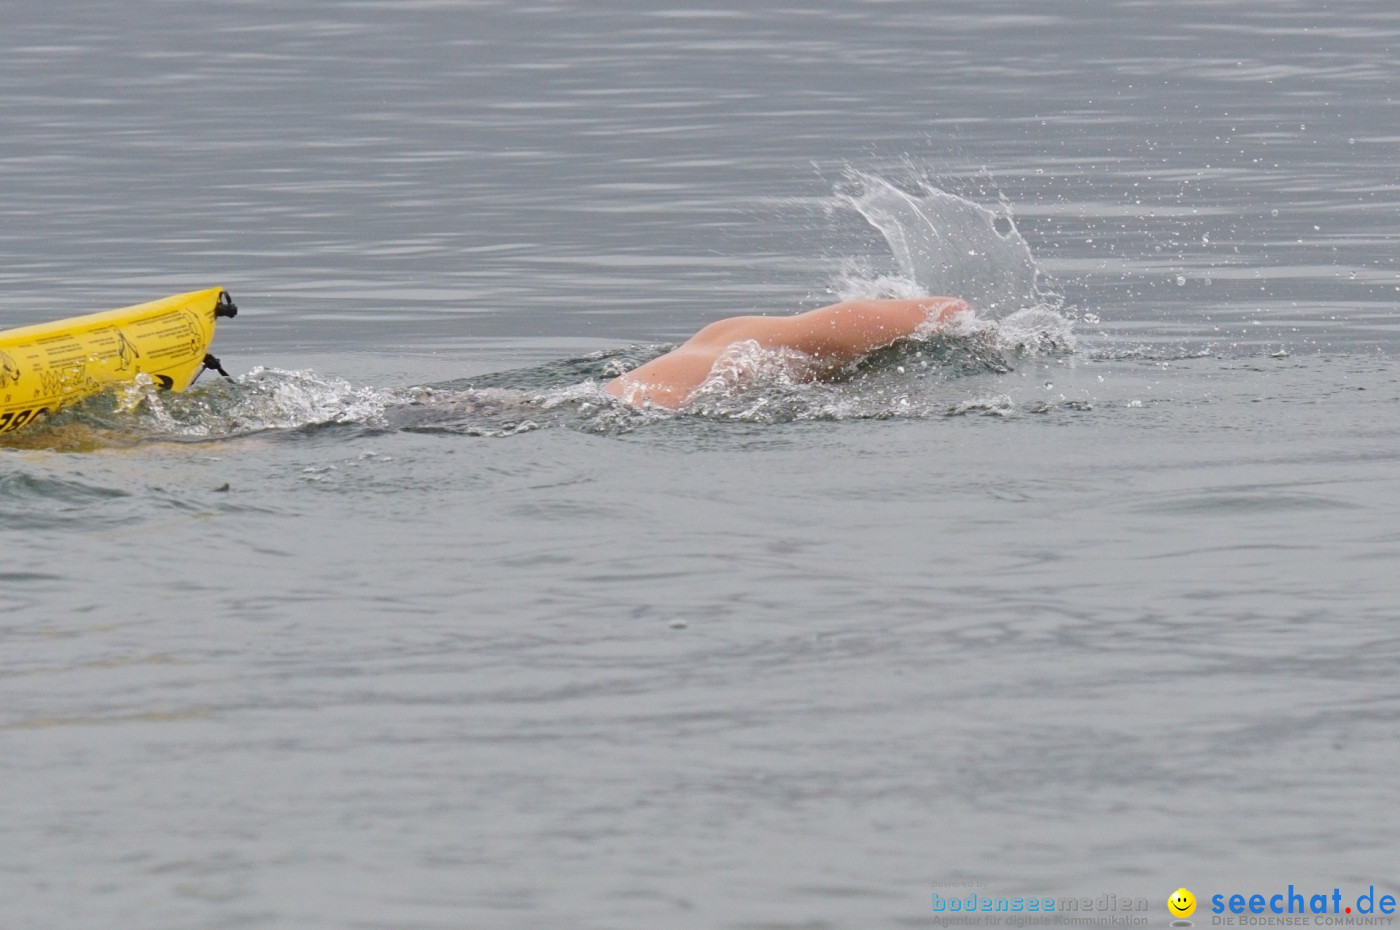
point(846, 332)
point(839, 333)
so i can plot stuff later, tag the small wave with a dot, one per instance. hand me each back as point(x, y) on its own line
point(25, 488)
point(38, 501)
point(493, 411)
point(597, 366)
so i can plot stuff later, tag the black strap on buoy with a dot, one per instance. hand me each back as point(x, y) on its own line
point(224, 308)
point(212, 364)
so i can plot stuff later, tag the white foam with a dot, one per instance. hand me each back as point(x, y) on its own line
point(264, 398)
point(997, 405)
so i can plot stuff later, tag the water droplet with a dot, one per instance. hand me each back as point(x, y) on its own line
point(1180, 280)
point(1273, 213)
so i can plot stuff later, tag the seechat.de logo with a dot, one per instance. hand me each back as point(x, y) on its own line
point(1294, 901)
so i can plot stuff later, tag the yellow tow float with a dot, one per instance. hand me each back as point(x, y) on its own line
point(50, 365)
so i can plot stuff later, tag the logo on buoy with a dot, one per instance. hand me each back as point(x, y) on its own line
point(126, 352)
point(9, 371)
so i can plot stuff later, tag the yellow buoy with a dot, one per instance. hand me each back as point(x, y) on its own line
point(50, 365)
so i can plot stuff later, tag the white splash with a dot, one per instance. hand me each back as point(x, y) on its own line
point(946, 245)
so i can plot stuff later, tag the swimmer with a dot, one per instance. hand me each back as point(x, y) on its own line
point(829, 338)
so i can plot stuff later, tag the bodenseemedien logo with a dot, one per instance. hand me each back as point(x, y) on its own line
point(974, 903)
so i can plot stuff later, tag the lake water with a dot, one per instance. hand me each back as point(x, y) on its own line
point(407, 627)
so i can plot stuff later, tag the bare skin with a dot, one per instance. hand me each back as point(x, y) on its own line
point(831, 338)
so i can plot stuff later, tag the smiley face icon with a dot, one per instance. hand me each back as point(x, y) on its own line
point(1182, 903)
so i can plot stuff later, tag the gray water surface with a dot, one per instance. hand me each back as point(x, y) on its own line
point(407, 626)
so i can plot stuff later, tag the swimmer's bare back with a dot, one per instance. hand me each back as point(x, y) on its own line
point(831, 338)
